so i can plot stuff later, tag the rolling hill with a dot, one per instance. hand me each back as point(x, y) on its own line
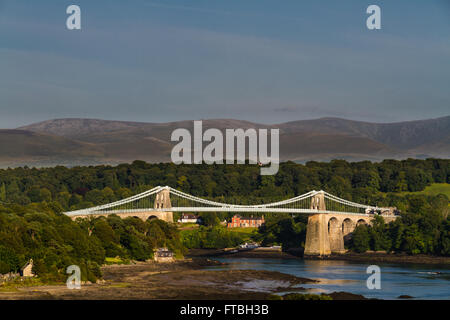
point(23, 147)
point(94, 141)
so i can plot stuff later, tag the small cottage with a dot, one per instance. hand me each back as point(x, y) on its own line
point(27, 269)
point(189, 218)
point(163, 255)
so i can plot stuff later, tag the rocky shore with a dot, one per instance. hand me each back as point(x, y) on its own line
point(189, 280)
point(184, 280)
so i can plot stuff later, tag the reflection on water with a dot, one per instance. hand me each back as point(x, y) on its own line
point(419, 281)
point(324, 281)
point(263, 285)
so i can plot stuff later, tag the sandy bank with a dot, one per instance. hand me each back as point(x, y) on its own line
point(181, 280)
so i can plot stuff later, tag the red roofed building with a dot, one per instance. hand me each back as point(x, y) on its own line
point(246, 222)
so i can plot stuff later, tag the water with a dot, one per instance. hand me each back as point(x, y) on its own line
point(418, 281)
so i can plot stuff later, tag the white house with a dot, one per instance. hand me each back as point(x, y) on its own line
point(189, 218)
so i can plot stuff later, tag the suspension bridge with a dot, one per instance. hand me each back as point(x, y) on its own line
point(330, 218)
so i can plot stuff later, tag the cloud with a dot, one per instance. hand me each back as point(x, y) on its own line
point(163, 71)
point(286, 109)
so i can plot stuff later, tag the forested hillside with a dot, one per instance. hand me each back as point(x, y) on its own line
point(32, 200)
point(80, 187)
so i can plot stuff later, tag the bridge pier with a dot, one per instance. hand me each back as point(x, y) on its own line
point(317, 239)
point(336, 236)
point(324, 234)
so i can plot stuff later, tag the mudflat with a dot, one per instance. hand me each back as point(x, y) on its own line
point(186, 279)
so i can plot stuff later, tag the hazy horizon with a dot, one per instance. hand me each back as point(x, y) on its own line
point(210, 119)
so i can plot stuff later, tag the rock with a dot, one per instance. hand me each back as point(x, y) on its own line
point(342, 295)
point(404, 296)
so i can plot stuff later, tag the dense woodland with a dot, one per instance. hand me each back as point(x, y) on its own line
point(32, 226)
point(80, 187)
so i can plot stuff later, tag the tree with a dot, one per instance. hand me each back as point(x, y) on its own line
point(8, 260)
point(138, 249)
point(412, 241)
point(444, 242)
point(103, 231)
point(209, 219)
point(3, 192)
point(360, 239)
point(379, 237)
point(108, 195)
point(95, 196)
point(13, 188)
point(45, 194)
point(284, 230)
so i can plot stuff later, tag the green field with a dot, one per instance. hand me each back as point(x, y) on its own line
point(433, 190)
point(245, 233)
point(116, 260)
point(187, 226)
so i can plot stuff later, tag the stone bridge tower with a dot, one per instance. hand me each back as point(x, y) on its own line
point(162, 200)
point(318, 202)
point(317, 240)
point(325, 233)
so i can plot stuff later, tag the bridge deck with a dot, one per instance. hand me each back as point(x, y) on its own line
point(313, 202)
point(229, 209)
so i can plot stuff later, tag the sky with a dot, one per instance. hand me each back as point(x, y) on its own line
point(267, 61)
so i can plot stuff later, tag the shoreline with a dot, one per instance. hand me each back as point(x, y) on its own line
point(242, 253)
point(191, 279)
point(397, 258)
point(184, 279)
point(181, 280)
point(267, 253)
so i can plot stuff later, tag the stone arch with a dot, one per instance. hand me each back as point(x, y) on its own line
point(332, 223)
point(152, 217)
point(360, 222)
point(335, 235)
point(347, 226)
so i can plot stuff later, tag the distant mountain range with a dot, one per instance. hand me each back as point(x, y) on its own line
point(91, 141)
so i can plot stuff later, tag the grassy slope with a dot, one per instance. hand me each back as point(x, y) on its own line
point(434, 189)
point(245, 233)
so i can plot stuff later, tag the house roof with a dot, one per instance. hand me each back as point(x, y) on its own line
point(189, 216)
point(248, 218)
point(30, 262)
